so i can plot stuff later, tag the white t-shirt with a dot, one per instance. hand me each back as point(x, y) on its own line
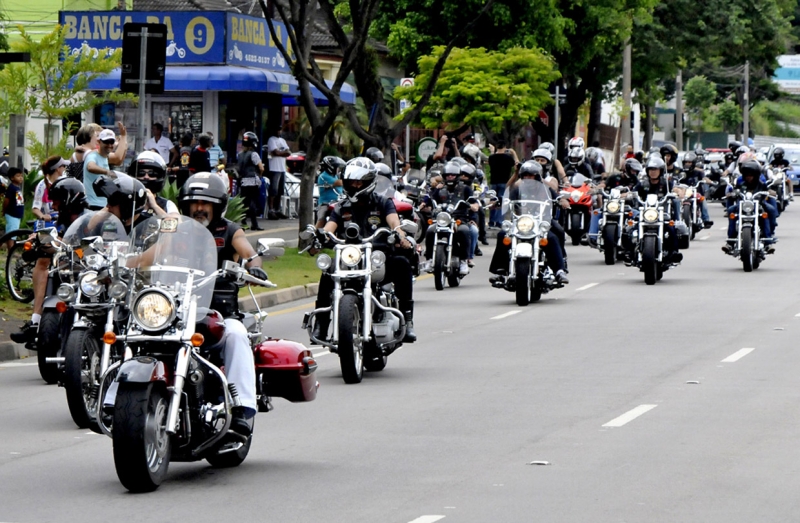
point(276, 163)
point(163, 146)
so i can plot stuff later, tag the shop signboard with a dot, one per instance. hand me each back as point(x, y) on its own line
point(426, 147)
point(248, 42)
point(192, 37)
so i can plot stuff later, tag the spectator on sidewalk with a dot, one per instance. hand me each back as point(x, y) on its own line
point(278, 152)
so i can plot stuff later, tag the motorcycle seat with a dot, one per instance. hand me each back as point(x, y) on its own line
point(402, 206)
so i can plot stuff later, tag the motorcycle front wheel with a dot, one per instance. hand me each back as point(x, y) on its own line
point(575, 231)
point(439, 275)
point(649, 260)
point(81, 373)
point(522, 268)
point(746, 252)
point(142, 445)
point(610, 243)
point(47, 344)
point(351, 345)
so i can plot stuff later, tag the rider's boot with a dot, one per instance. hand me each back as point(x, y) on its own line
point(408, 313)
point(320, 330)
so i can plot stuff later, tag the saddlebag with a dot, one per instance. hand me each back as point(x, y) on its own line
point(288, 369)
point(683, 235)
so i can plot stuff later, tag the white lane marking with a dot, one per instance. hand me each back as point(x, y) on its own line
point(739, 354)
point(16, 364)
point(321, 353)
point(427, 519)
point(707, 236)
point(505, 315)
point(586, 287)
point(797, 315)
point(723, 228)
point(630, 416)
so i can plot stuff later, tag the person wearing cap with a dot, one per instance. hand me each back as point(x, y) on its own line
point(95, 164)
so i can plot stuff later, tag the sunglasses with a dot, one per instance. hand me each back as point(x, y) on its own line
point(108, 142)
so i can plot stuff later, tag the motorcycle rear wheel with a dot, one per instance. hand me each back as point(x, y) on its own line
point(19, 274)
point(610, 243)
point(649, 261)
point(746, 252)
point(439, 274)
point(81, 373)
point(351, 346)
point(522, 268)
point(47, 344)
point(689, 221)
point(575, 231)
point(142, 445)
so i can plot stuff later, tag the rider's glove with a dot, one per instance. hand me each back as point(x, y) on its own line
point(258, 272)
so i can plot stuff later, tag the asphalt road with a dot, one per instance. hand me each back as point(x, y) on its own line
point(669, 403)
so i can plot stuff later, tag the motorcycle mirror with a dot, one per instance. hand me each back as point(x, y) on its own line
point(265, 244)
point(46, 236)
point(308, 233)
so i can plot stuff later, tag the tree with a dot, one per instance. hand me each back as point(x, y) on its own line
point(499, 92)
point(54, 85)
point(729, 115)
point(350, 24)
point(698, 95)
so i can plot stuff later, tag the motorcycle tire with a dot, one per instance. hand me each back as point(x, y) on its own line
point(81, 373)
point(649, 261)
point(142, 445)
point(686, 215)
point(454, 278)
point(439, 275)
point(536, 290)
point(522, 268)
point(575, 231)
point(19, 274)
point(229, 459)
point(351, 347)
point(610, 243)
point(48, 342)
point(746, 253)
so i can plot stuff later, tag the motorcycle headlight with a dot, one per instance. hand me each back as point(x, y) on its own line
point(443, 219)
point(650, 215)
point(576, 195)
point(89, 285)
point(507, 225)
point(525, 224)
point(351, 256)
point(323, 262)
point(378, 259)
point(689, 192)
point(544, 228)
point(748, 207)
point(65, 292)
point(613, 206)
point(117, 290)
point(153, 310)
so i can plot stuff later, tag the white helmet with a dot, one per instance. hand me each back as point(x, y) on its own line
point(577, 141)
point(359, 170)
point(576, 156)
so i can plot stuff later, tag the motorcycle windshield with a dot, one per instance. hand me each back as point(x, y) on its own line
point(101, 224)
point(528, 197)
point(415, 177)
point(384, 187)
point(578, 180)
point(178, 246)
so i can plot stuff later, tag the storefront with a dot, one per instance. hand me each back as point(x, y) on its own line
point(224, 73)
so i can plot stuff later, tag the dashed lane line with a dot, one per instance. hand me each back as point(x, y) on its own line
point(630, 416)
point(585, 287)
point(739, 354)
point(505, 315)
point(427, 519)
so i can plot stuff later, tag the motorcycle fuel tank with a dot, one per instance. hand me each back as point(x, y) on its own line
point(289, 369)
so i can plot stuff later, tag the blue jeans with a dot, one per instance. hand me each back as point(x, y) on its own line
point(767, 226)
point(594, 225)
point(473, 240)
point(496, 214)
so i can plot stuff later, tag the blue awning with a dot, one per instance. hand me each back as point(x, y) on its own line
point(229, 78)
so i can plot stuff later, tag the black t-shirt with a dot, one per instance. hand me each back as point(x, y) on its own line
point(199, 161)
point(620, 180)
point(223, 230)
point(501, 165)
point(780, 163)
point(369, 217)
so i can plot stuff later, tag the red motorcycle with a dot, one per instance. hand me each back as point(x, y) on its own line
point(577, 217)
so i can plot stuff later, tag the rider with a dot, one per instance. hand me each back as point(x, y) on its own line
point(126, 198)
point(251, 169)
point(693, 174)
point(669, 153)
point(151, 169)
point(68, 198)
point(467, 178)
point(555, 259)
point(450, 191)
point(750, 180)
point(628, 177)
point(369, 211)
point(577, 163)
point(204, 198)
point(374, 154)
point(596, 160)
point(778, 159)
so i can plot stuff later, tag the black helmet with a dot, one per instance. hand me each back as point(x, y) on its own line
point(671, 150)
point(689, 158)
point(250, 140)
point(750, 168)
point(778, 153)
point(740, 151)
point(531, 168)
point(71, 197)
point(359, 170)
point(729, 157)
point(656, 163)
point(152, 165)
point(639, 155)
point(735, 144)
point(333, 165)
point(374, 154)
point(452, 170)
point(123, 191)
point(204, 187)
point(633, 167)
point(384, 170)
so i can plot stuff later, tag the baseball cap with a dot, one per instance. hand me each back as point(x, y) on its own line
point(107, 135)
point(469, 137)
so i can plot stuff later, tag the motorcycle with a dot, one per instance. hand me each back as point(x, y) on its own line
point(649, 236)
point(749, 246)
point(778, 184)
point(691, 203)
point(445, 264)
point(367, 325)
point(527, 223)
point(172, 402)
point(612, 223)
point(578, 216)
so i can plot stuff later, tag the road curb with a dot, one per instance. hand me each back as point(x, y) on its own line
point(10, 351)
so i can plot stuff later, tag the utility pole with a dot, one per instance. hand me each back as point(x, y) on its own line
point(746, 116)
point(679, 111)
point(625, 120)
point(558, 98)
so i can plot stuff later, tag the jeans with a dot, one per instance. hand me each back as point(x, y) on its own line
point(473, 241)
point(398, 271)
point(767, 226)
point(502, 254)
point(594, 225)
point(461, 243)
point(496, 214)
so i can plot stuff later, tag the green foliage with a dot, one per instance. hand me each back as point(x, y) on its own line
point(774, 119)
point(699, 94)
point(235, 211)
point(728, 115)
point(481, 88)
point(170, 192)
point(29, 184)
point(54, 84)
